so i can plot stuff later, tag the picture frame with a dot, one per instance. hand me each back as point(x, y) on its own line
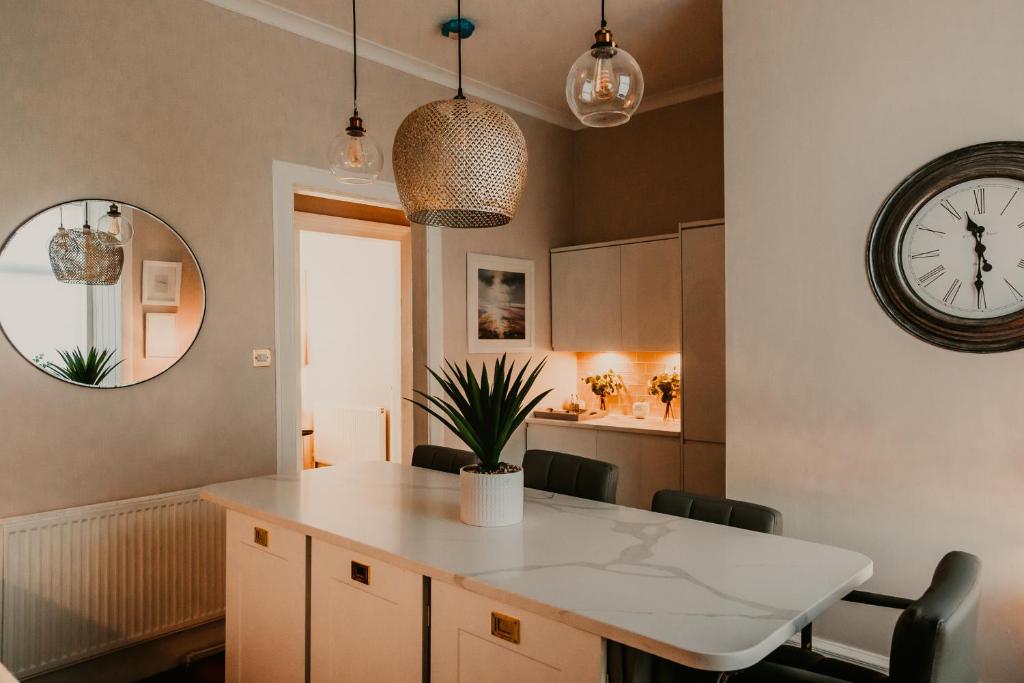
point(161, 283)
point(162, 335)
point(499, 304)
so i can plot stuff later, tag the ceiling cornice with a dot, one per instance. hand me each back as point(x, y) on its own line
point(299, 24)
point(686, 93)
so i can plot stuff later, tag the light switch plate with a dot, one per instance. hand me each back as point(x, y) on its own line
point(261, 358)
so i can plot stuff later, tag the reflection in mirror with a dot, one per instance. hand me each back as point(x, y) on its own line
point(99, 293)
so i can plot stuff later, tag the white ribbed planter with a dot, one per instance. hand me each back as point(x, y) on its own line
point(491, 499)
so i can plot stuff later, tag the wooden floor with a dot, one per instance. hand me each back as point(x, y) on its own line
point(208, 670)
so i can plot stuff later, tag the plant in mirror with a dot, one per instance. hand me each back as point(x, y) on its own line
point(75, 302)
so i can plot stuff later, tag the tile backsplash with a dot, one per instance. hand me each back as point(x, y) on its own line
point(636, 368)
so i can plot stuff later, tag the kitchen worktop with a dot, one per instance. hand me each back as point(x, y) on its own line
point(617, 423)
point(701, 594)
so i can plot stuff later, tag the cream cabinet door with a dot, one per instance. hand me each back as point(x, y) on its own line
point(647, 464)
point(468, 647)
point(574, 440)
point(366, 619)
point(651, 296)
point(704, 333)
point(585, 300)
point(265, 639)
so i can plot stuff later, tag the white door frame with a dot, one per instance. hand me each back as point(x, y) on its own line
point(287, 179)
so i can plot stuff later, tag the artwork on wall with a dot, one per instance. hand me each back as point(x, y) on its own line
point(161, 283)
point(499, 304)
point(161, 335)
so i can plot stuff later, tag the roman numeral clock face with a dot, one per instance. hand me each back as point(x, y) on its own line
point(963, 252)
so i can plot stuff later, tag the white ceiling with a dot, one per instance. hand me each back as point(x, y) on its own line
point(525, 47)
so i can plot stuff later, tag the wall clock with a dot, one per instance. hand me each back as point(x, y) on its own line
point(945, 255)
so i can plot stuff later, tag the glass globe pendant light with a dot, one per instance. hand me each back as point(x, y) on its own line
point(354, 157)
point(115, 224)
point(605, 85)
point(460, 163)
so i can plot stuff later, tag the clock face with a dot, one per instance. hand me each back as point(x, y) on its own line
point(963, 252)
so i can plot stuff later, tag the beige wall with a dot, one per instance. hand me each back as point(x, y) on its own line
point(185, 121)
point(643, 178)
point(863, 436)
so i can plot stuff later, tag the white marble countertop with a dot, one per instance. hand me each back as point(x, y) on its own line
point(704, 595)
point(616, 423)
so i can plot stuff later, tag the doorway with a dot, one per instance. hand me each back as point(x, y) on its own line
point(355, 330)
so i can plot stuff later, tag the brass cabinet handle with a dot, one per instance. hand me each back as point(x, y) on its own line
point(261, 537)
point(361, 572)
point(505, 627)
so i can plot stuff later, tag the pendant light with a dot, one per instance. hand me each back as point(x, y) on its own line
point(116, 225)
point(355, 157)
point(85, 257)
point(605, 85)
point(460, 163)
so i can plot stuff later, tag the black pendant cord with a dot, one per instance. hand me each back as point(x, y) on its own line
point(355, 62)
point(458, 12)
point(604, 24)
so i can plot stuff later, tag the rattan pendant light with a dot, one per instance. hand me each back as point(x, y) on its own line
point(460, 163)
point(86, 256)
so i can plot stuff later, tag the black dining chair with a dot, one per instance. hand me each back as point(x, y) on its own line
point(572, 475)
point(443, 459)
point(629, 665)
point(934, 640)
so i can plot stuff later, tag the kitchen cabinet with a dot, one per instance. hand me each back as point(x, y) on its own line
point(585, 306)
point(366, 618)
point(265, 629)
point(618, 297)
point(648, 462)
point(473, 638)
point(649, 291)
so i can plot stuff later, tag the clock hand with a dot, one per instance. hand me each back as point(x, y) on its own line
point(979, 248)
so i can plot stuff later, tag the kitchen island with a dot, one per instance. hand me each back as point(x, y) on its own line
point(364, 570)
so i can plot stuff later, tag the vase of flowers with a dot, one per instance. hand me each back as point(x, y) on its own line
point(666, 387)
point(604, 385)
point(484, 413)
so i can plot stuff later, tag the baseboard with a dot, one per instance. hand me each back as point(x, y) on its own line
point(848, 653)
point(142, 660)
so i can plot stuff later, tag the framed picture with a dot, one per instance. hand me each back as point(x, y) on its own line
point(162, 335)
point(161, 283)
point(499, 303)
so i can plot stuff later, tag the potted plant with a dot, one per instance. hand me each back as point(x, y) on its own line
point(485, 414)
point(666, 386)
point(90, 368)
point(605, 385)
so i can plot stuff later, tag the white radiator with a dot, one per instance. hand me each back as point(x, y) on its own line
point(83, 581)
point(350, 433)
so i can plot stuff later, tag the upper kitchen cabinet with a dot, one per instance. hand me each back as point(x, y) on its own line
point(617, 297)
point(586, 314)
point(650, 292)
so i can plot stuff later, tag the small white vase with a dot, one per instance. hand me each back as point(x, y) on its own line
point(491, 499)
point(641, 409)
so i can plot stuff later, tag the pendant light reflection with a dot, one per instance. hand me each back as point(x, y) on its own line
point(460, 163)
point(605, 85)
point(354, 157)
point(86, 256)
point(117, 225)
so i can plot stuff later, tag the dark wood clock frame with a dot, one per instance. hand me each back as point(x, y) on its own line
point(897, 299)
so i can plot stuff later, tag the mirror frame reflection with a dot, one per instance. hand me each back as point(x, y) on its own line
point(103, 252)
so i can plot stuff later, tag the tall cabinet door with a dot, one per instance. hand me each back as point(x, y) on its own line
point(703, 375)
point(585, 301)
point(650, 294)
point(265, 639)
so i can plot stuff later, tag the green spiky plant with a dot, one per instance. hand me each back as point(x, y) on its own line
point(484, 413)
point(90, 368)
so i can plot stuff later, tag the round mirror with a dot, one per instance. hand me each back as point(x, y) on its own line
point(100, 293)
